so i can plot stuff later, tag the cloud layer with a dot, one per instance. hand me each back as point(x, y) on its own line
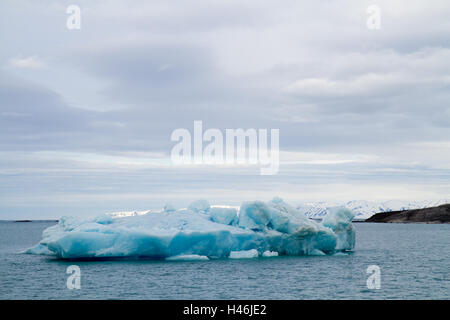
point(86, 115)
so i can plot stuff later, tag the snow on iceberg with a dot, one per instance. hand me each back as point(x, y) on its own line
point(188, 257)
point(200, 231)
point(268, 254)
point(245, 254)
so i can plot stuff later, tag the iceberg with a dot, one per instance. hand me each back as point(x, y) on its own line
point(201, 232)
point(228, 216)
point(188, 257)
point(338, 220)
point(245, 254)
point(269, 254)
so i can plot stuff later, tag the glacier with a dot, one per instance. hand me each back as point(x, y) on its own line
point(201, 232)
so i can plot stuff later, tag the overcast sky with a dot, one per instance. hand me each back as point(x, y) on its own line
point(86, 115)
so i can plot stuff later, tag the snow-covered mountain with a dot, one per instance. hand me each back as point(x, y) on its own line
point(167, 207)
point(317, 210)
point(365, 209)
point(121, 214)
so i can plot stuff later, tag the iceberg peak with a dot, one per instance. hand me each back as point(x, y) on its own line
point(201, 206)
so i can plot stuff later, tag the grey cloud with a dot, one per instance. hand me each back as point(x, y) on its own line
point(29, 112)
point(232, 65)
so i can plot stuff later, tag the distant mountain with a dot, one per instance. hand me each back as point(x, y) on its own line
point(440, 214)
point(365, 209)
point(317, 210)
point(121, 214)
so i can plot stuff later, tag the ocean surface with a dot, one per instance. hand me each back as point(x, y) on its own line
point(414, 261)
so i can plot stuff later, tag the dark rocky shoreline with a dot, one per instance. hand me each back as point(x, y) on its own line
point(440, 214)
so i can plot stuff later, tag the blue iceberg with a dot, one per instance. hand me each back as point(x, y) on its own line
point(201, 232)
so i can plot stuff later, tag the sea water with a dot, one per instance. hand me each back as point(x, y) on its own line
point(413, 259)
